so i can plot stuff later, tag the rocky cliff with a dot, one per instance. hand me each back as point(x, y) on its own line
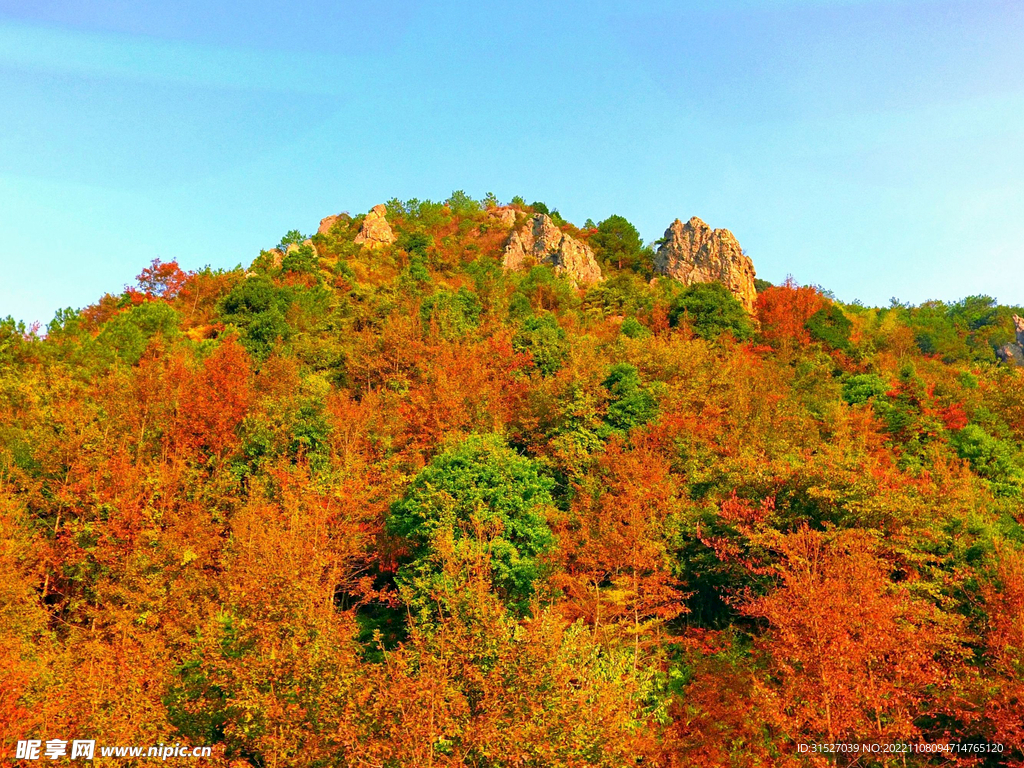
point(540, 241)
point(695, 253)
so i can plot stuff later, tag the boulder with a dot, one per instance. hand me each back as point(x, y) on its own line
point(1018, 326)
point(540, 241)
point(375, 232)
point(695, 253)
point(576, 259)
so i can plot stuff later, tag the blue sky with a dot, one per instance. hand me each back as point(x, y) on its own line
point(874, 148)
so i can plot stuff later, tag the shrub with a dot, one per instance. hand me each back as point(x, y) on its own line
point(633, 329)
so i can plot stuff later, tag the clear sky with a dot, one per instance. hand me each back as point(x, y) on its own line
point(874, 148)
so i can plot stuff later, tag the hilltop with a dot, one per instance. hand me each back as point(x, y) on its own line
point(463, 483)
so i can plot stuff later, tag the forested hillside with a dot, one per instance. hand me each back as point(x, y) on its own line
point(461, 484)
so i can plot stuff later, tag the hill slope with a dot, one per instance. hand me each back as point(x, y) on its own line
point(391, 496)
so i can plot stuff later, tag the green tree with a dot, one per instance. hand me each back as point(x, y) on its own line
point(618, 242)
point(292, 237)
point(301, 260)
point(994, 459)
point(544, 339)
point(455, 312)
point(13, 337)
point(257, 306)
point(633, 329)
point(462, 204)
point(862, 387)
point(711, 310)
point(632, 404)
point(128, 334)
point(974, 312)
point(480, 501)
point(415, 243)
point(830, 326)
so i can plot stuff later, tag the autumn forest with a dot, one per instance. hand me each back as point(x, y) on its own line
point(466, 484)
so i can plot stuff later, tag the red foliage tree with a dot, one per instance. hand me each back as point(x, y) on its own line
point(783, 311)
point(163, 280)
point(213, 401)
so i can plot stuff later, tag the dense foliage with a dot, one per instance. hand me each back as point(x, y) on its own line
point(396, 507)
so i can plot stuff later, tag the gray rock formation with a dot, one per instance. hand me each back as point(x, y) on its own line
point(375, 232)
point(541, 242)
point(694, 253)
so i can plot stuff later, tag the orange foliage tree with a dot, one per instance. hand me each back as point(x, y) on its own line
point(851, 654)
point(1005, 649)
point(617, 571)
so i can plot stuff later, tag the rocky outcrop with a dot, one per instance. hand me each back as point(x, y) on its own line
point(576, 259)
point(504, 216)
point(695, 253)
point(376, 231)
point(1011, 354)
point(326, 224)
point(541, 242)
point(1014, 353)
